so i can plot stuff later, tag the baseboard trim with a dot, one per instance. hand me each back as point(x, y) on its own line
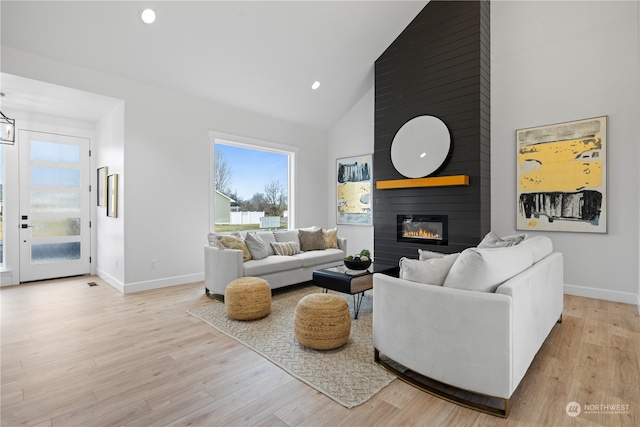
point(118, 285)
point(604, 294)
point(6, 278)
point(162, 283)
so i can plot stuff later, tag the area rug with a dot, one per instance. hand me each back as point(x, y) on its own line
point(347, 374)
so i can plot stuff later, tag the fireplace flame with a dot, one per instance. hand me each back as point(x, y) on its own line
point(422, 234)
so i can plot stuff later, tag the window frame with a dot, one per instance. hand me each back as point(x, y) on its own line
point(254, 144)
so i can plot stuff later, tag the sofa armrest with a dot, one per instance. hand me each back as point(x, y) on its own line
point(221, 266)
point(459, 337)
point(342, 244)
point(537, 295)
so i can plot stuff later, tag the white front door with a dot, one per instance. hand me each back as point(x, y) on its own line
point(54, 206)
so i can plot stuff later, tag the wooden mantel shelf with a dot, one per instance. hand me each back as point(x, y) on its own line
point(436, 181)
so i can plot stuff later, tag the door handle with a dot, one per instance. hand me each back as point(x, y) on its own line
point(27, 226)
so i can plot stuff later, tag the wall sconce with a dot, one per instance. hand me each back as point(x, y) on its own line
point(7, 129)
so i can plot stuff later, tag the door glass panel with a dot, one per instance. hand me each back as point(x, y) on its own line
point(55, 227)
point(55, 202)
point(54, 152)
point(55, 252)
point(55, 177)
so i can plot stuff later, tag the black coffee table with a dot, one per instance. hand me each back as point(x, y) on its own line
point(355, 283)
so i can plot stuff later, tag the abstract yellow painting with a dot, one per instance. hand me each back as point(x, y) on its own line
point(562, 177)
point(354, 190)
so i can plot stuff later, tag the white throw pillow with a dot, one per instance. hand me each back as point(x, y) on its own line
point(492, 240)
point(540, 246)
point(485, 269)
point(424, 254)
point(431, 272)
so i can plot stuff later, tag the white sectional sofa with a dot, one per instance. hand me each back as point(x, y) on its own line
point(224, 264)
point(479, 323)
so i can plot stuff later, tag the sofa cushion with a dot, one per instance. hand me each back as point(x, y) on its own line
point(484, 269)
point(540, 246)
point(492, 240)
point(286, 248)
point(313, 258)
point(330, 238)
point(234, 242)
point(268, 238)
point(431, 272)
point(257, 246)
point(311, 240)
point(287, 236)
point(270, 264)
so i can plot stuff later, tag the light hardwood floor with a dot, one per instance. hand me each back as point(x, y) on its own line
point(79, 355)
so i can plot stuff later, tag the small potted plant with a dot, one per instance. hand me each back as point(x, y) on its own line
point(359, 261)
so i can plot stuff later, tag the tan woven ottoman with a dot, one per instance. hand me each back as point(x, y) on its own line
point(247, 298)
point(322, 321)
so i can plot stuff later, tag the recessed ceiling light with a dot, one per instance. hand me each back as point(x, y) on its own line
point(315, 85)
point(148, 16)
point(422, 155)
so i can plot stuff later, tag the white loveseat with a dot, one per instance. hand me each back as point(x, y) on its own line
point(222, 265)
point(477, 341)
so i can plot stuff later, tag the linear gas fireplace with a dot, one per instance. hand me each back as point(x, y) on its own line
point(427, 229)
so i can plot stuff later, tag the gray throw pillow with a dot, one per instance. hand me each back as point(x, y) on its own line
point(311, 240)
point(256, 245)
point(268, 238)
point(492, 240)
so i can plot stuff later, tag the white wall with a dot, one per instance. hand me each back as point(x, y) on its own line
point(352, 136)
point(560, 61)
point(164, 182)
point(109, 152)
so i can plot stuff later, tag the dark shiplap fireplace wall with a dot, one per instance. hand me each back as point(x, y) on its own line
point(438, 66)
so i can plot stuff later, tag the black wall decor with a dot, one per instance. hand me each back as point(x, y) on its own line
point(439, 66)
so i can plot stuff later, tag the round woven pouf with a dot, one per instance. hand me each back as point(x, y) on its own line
point(322, 321)
point(247, 298)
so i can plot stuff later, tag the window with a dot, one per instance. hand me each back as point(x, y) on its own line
point(251, 186)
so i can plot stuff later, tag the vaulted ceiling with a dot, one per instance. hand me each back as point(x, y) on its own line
point(260, 56)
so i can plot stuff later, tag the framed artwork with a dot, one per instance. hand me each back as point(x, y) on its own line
point(112, 195)
point(354, 185)
point(562, 177)
point(102, 186)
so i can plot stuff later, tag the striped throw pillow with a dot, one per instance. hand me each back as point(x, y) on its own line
point(285, 248)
